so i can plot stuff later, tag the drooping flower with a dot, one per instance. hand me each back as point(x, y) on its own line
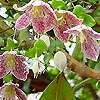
point(11, 62)
point(10, 91)
point(65, 20)
point(88, 38)
point(60, 60)
point(36, 66)
point(37, 12)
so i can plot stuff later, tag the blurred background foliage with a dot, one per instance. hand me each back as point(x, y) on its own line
point(23, 42)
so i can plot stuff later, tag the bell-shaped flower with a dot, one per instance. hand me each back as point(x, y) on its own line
point(88, 38)
point(11, 62)
point(37, 12)
point(36, 66)
point(65, 20)
point(60, 60)
point(10, 91)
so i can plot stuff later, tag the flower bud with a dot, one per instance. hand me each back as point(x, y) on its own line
point(60, 60)
point(45, 38)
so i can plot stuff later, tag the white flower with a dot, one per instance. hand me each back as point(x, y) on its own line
point(60, 60)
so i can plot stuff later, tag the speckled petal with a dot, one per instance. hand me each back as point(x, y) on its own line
point(59, 33)
point(20, 70)
point(65, 21)
point(90, 48)
point(23, 21)
point(45, 21)
point(3, 68)
point(24, 7)
point(72, 19)
point(20, 94)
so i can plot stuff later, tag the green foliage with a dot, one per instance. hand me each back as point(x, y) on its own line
point(8, 78)
point(87, 19)
point(10, 45)
point(58, 4)
point(39, 47)
point(1, 41)
point(59, 89)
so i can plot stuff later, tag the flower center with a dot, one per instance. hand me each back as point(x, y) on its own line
point(10, 60)
point(37, 11)
point(82, 37)
point(9, 92)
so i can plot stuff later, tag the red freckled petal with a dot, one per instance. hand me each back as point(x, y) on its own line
point(20, 94)
point(72, 19)
point(3, 68)
point(59, 33)
point(23, 21)
point(90, 48)
point(20, 70)
point(44, 22)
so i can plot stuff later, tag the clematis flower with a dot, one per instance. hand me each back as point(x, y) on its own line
point(11, 62)
point(65, 20)
point(37, 12)
point(10, 91)
point(36, 66)
point(88, 38)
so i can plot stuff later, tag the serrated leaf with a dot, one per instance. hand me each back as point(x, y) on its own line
point(59, 89)
point(10, 44)
point(79, 11)
point(88, 20)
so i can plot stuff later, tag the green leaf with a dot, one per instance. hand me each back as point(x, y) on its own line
point(4, 26)
point(79, 11)
point(41, 45)
point(97, 66)
point(59, 43)
point(52, 46)
point(38, 48)
point(8, 78)
point(47, 57)
point(58, 4)
point(23, 36)
point(88, 20)
point(93, 1)
point(1, 41)
point(10, 44)
point(59, 89)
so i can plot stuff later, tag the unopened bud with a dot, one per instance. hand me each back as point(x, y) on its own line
point(60, 60)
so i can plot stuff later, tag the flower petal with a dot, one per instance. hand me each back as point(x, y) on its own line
point(24, 7)
point(90, 48)
point(3, 69)
point(20, 94)
point(20, 70)
point(72, 19)
point(59, 33)
point(43, 17)
point(23, 21)
point(64, 22)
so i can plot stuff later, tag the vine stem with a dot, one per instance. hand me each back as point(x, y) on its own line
point(81, 68)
